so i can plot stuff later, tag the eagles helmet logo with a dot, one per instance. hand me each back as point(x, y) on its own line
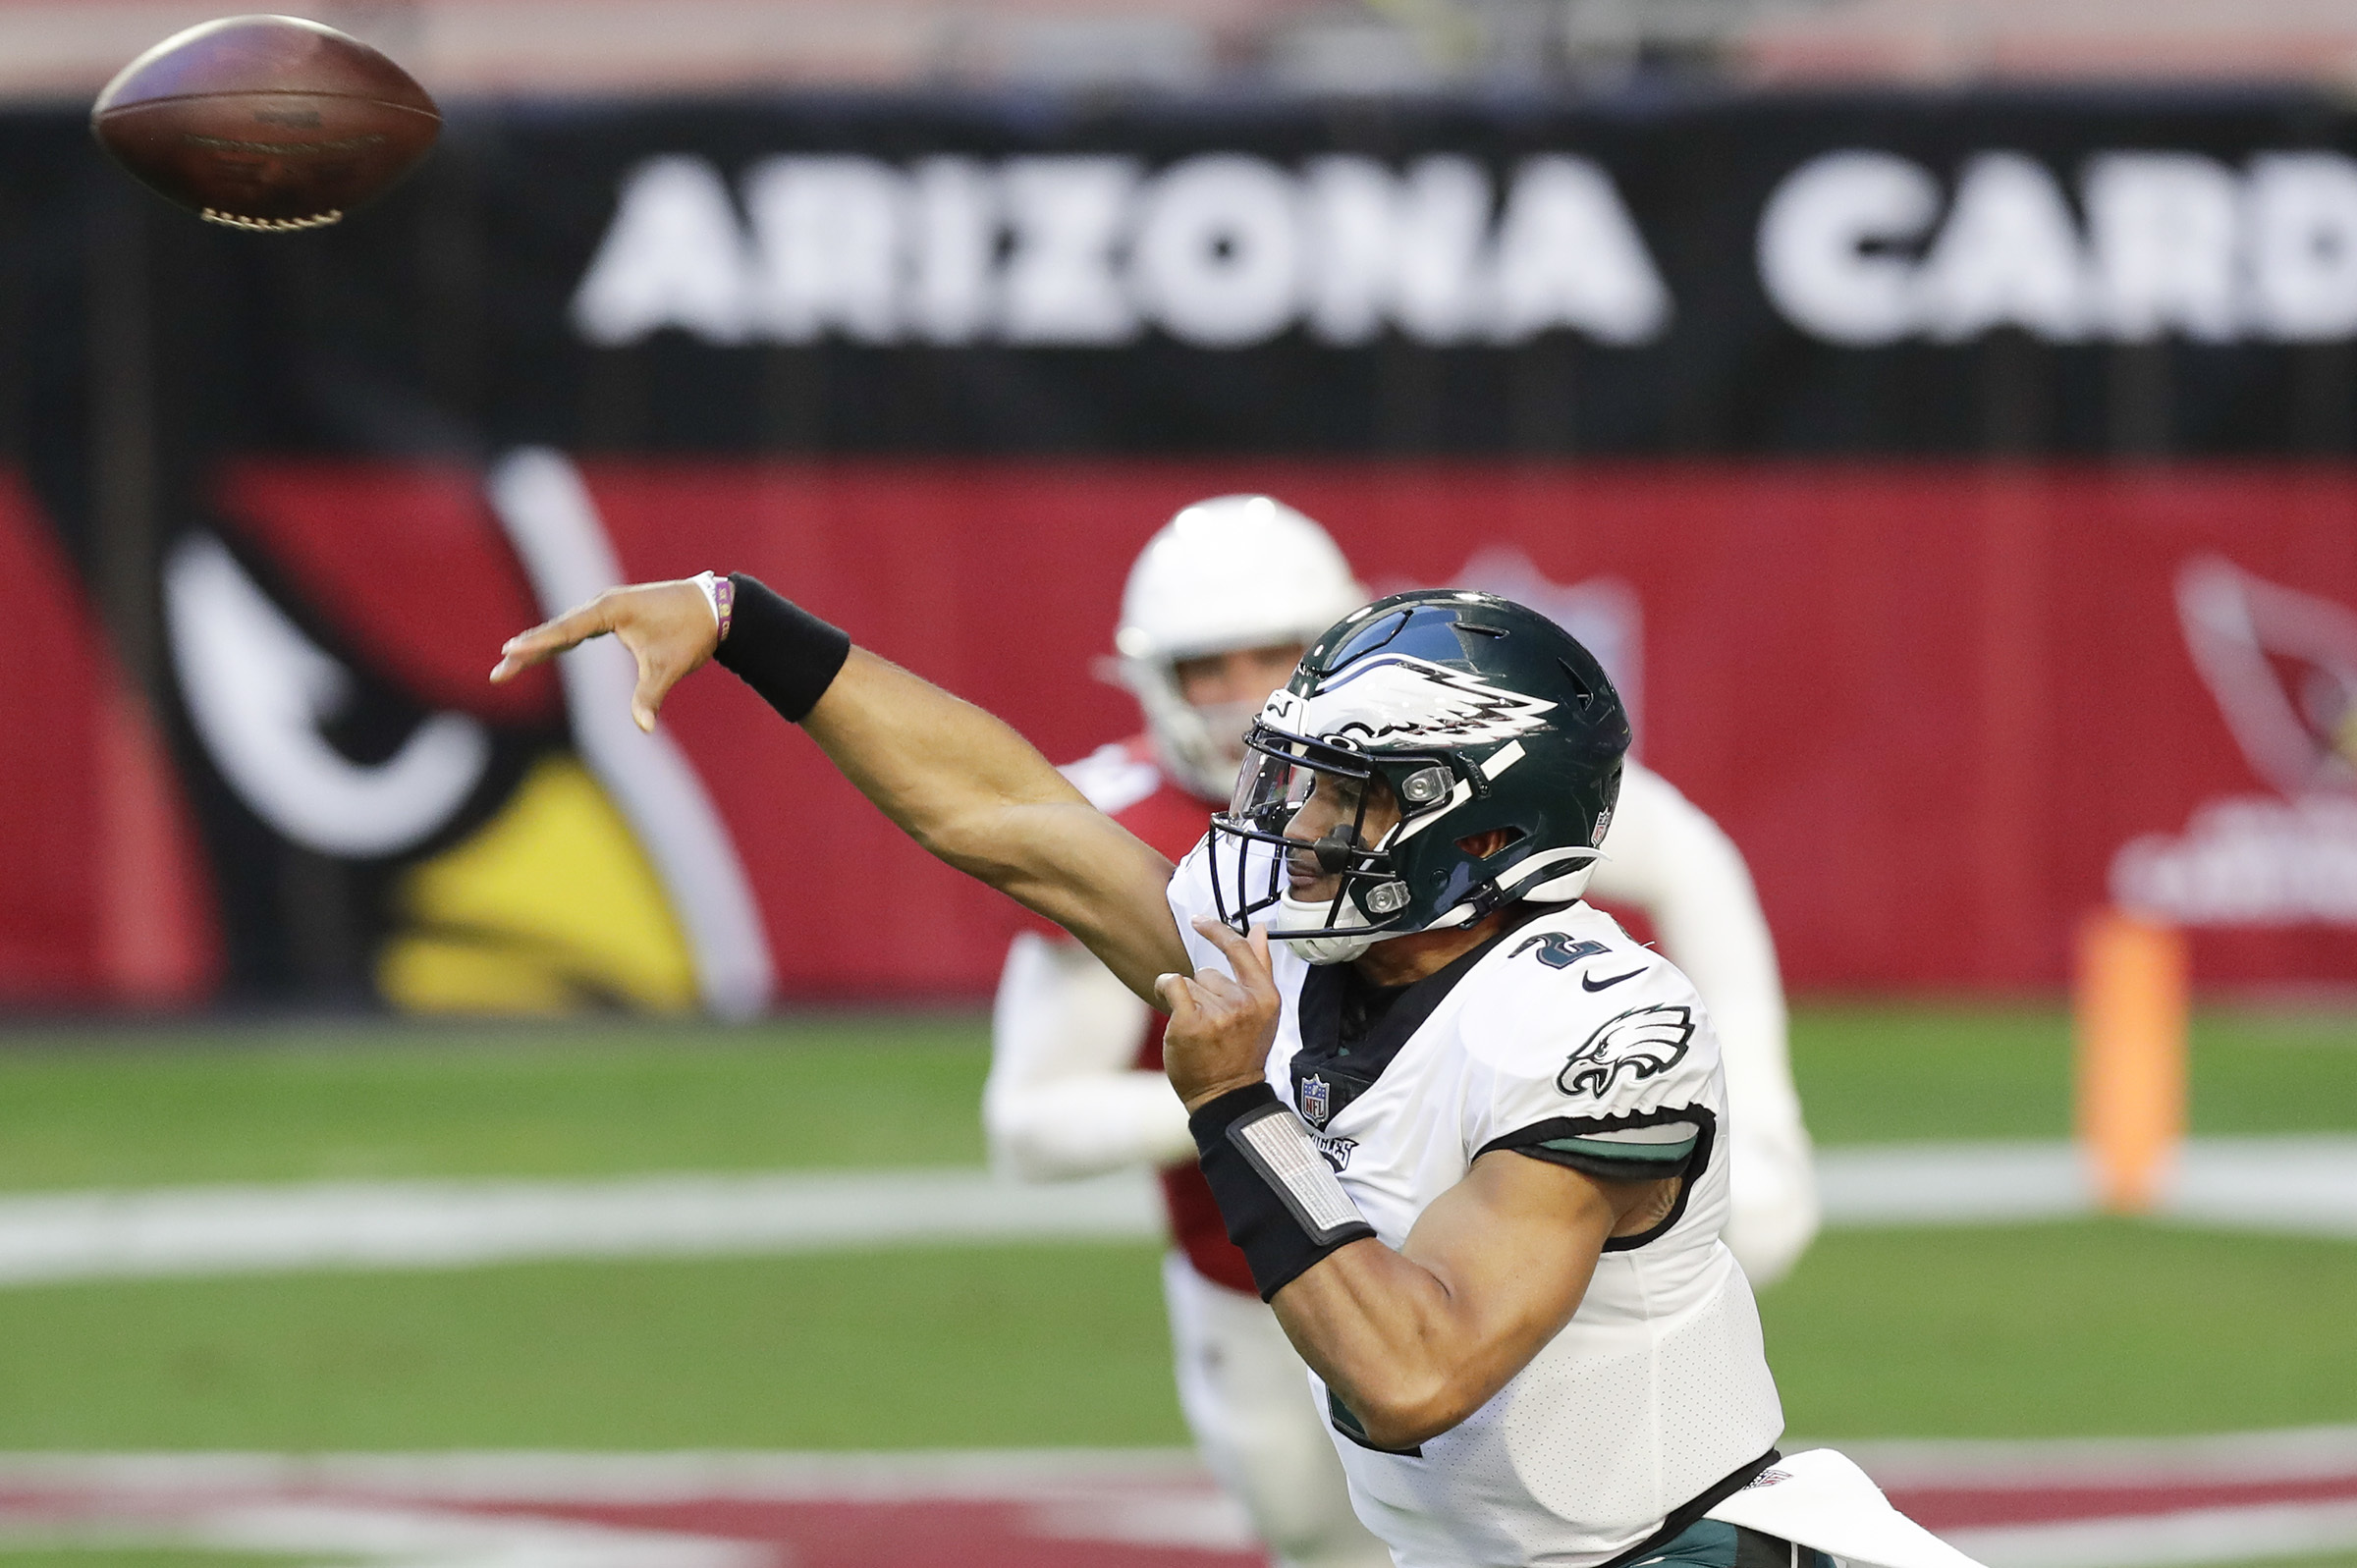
point(1645, 1041)
point(1394, 700)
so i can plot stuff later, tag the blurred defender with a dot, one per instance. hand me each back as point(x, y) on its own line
point(1077, 1086)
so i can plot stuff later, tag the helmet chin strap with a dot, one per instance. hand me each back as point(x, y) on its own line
point(1313, 943)
point(1307, 939)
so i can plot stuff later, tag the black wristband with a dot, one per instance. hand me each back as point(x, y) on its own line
point(1284, 1209)
point(780, 650)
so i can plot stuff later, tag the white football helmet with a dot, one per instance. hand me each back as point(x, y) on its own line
point(1230, 573)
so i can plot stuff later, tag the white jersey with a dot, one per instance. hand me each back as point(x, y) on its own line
point(1568, 1040)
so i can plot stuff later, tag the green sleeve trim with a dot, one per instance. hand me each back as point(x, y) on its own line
point(1619, 1153)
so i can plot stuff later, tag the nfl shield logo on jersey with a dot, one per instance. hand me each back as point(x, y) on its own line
point(1313, 1101)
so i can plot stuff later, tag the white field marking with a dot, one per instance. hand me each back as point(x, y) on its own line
point(525, 1476)
point(2294, 1453)
point(1953, 1184)
point(389, 1509)
point(2247, 1533)
point(1202, 1521)
point(2255, 1533)
point(405, 1510)
point(2303, 1185)
point(439, 1224)
point(326, 1530)
point(2306, 1185)
point(2298, 1185)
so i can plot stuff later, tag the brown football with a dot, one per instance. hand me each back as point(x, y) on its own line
point(265, 123)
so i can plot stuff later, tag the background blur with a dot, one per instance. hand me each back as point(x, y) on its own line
point(1938, 414)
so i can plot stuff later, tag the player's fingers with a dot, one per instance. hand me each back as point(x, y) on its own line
point(1177, 1000)
point(1215, 990)
point(659, 670)
point(1222, 936)
point(646, 697)
point(1264, 977)
point(1248, 957)
point(552, 637)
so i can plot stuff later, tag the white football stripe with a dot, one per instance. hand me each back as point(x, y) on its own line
point(2305, 1186)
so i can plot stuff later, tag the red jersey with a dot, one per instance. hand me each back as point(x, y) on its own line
point(1128, 785)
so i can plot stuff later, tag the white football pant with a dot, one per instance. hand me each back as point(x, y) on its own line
point(1246, 1395)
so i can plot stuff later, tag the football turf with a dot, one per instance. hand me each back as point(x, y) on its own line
point(276, 1102)
point(2069, 1329)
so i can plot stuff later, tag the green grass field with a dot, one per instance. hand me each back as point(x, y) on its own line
point(2084, 1327)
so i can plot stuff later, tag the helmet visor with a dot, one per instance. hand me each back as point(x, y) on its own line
point(1308, 819)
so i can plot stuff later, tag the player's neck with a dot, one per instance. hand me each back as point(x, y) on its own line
point(1404, 961)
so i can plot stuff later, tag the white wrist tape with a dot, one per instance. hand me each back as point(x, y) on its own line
point(1283, 1208)
point(711, 587)
point(1282, 1149)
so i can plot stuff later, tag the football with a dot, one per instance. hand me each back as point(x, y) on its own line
point(270, 123)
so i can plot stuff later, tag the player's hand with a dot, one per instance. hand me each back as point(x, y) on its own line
point(667, 626)
point(1219, 1029)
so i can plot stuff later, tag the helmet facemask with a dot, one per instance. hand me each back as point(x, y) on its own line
point(1309, 806)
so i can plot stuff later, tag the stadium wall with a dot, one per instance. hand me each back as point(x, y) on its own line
point(1961, 486)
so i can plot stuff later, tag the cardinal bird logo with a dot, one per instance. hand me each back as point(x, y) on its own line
point(1643, 1042)
point(2283, 665)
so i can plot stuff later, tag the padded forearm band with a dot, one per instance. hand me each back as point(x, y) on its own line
point(780, 650)
point(1283, 1205)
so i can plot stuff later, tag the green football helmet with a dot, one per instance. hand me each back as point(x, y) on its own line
point(1416, 732)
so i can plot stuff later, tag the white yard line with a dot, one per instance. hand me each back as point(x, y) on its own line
point(2256, 1533)
point(439, 1224)
point(2299, 1185)
point(2003, 1463)
point(2233, 1533)
point(1953, 1183)
point(2304, 1185)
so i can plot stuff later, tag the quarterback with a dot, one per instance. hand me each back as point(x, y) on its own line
point(1465, 1133)
point(1077, 1086)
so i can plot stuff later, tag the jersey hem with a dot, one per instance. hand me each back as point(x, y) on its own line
point(1682, 1517)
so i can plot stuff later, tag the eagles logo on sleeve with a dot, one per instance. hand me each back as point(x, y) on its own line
point(1646, 1041)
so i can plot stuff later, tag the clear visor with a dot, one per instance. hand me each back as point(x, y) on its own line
point(1274, 784)
point(1310, 819)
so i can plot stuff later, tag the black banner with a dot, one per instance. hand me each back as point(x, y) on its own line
point(2040, 275)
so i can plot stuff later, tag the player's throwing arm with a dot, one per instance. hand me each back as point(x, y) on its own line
point(958, 781)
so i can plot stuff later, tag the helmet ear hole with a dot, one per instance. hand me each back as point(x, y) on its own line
point(1491, 841)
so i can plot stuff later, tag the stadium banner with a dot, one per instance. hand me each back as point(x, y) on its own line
point(1959, 486)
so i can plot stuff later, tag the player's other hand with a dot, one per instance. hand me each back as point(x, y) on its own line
point(1219, 1029)
point(667, 626)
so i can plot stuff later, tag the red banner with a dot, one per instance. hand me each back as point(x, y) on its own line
point(1944, 709)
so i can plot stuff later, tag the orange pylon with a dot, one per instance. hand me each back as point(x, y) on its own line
point(2133, 1004)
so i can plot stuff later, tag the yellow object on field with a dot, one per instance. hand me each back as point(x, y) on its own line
point(2133, 1023)
point(551, 906)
